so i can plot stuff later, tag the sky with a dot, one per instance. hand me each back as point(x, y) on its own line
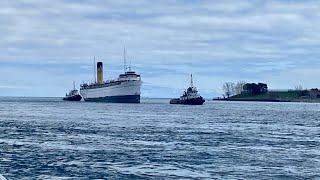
point(45, 45)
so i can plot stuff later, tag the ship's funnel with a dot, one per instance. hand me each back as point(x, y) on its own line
point(100, 72)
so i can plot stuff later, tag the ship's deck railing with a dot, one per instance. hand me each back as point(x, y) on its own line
point(97, 85)
point(104, 84)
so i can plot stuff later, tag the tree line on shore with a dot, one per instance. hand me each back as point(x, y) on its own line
point(232, 89)
point(242, 90)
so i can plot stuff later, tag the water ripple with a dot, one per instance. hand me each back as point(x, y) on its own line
point(52, 139)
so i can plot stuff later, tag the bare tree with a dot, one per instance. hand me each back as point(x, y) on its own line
point(298, 88)
point(239, 87)
point(233, 89)
point(227, 88)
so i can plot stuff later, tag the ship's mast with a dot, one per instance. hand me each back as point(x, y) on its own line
point(94, 69)
point(124, 59)
point(191, 81)
point(74, 85)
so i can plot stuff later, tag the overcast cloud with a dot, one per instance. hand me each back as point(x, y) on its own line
point(45, 45)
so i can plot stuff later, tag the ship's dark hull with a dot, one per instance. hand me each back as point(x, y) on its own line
point(73, 98)
point(194, 101)
point(116, 99)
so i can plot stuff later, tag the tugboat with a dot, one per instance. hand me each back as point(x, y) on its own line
point(190, 96)
point(73, 95)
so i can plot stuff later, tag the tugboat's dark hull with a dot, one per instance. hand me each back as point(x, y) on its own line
point(194, 101)
point(73, 98)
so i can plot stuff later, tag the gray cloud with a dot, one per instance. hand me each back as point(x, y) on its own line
point(227, 39)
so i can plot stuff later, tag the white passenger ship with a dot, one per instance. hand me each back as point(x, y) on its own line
point(125, 89)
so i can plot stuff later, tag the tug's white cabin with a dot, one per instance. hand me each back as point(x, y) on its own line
point(191, 92)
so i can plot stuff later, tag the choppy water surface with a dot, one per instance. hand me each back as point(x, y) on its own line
point(52, 139)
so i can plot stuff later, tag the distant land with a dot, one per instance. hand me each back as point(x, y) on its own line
point(259, 92)
point(312, 95)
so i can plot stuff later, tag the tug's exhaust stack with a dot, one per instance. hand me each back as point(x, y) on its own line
point(100, 72)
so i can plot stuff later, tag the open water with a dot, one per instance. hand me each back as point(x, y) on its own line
point(46, 138)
